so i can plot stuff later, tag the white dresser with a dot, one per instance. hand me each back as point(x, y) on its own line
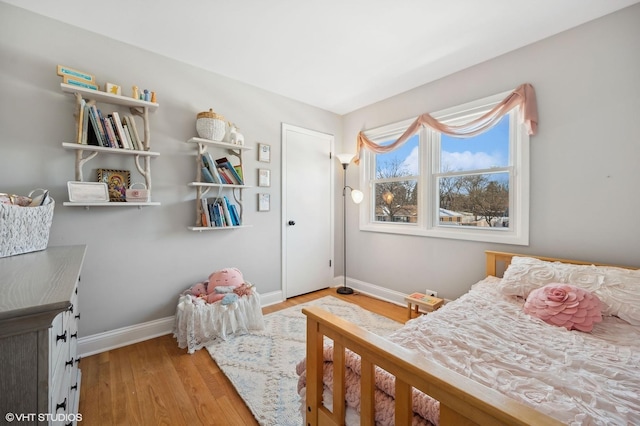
point(39, 374)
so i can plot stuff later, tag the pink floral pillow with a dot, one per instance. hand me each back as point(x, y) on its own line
point(564, 305)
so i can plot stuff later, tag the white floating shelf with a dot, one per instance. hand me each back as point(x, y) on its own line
point(215, 228)
point(120, 151)
point(99, 96)
point(218, 144)
point(111, 204)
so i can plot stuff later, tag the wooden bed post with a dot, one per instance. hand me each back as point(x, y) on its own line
point(314, 372)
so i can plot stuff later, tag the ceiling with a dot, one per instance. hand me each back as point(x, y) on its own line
point(337, 55)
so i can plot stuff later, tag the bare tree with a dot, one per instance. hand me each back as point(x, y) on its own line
point(393, 197)
point(483, 198)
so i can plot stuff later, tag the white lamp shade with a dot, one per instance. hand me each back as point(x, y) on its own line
point(357, 196)
point(345, 158)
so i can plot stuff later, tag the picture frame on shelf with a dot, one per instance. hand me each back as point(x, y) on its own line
point(264, 153)
point(118, 181)
point(264, 202)
point(264, 177)
point(114, 89)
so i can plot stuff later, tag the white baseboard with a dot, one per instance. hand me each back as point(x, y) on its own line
point(124, 336)
point(372, 290)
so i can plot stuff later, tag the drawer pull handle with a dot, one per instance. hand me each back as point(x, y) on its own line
point(70, 308)
point(78, 316)
point(74, 335)
point(62, 405)
point(62, 337)
point(74, 387)
point(69, 363)
point(78, 360)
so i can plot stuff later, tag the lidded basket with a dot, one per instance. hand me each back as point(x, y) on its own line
point(210, 125)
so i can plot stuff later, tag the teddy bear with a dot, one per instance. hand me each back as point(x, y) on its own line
point(198, 292)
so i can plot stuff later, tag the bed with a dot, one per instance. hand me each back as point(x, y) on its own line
point(482, 359)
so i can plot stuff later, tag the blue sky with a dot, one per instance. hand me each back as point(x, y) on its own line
point(480, 152)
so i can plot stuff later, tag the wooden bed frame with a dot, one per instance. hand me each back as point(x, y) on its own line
point(462, 400)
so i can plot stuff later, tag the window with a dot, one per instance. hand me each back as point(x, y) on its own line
point(436, 185)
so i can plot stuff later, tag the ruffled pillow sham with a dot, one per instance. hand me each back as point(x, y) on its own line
point(617, 288)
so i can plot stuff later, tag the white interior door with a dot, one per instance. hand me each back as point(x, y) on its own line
point(307, 210)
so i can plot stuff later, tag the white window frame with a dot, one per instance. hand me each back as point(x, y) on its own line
point(427, 224)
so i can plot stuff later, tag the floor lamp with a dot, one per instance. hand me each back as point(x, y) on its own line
point(356, 196)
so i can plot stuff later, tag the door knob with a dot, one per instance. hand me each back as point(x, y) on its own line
point(292, 222)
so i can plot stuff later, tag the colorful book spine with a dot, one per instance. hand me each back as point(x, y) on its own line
point(234, 215)
point(134, 131)
point(85, 124)
point(114, 142)
point(117, 123)
point(205, 210)
point(207, 162)
point(95, 122)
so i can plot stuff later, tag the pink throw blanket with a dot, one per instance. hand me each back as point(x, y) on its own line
point(426, 409)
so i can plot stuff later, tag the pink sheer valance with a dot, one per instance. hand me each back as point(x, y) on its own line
point(523, 96)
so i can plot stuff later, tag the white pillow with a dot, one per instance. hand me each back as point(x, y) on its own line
point(617, 288)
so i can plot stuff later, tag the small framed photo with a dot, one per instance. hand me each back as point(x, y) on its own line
point(118, 181)
point(114, 89)
point(264, 152)
point(264, 202)
point(264, 177)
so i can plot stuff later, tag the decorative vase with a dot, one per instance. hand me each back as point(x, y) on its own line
point(210, 125)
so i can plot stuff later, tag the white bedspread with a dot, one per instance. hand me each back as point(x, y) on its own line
point(578, 378)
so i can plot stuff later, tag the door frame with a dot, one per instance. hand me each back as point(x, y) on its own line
point(283, 208)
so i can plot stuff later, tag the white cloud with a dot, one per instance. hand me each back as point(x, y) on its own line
point(412, 162)
point(470, 161)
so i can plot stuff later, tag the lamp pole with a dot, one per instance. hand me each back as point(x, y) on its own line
point(344, 289)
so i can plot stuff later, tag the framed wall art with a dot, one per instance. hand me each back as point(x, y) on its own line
point(264, 202)
point(264, 152)
point(264, 177)
point(117, 183)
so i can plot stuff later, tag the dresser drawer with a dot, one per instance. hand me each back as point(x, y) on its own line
point(58, 344)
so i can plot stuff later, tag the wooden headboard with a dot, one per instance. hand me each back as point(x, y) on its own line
point(498, 261)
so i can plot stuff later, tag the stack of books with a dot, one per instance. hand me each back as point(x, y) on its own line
point(220, 171)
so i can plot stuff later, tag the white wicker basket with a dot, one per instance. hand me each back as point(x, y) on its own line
point(24, 229)
point(210, 125)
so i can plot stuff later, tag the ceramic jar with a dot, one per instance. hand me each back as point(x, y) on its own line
point(210, 125)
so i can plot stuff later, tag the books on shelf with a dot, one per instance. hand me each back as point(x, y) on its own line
point(97, 126)
point(210, 172)
point(110, 130)
point(84, 123)
point(229, 171)
point(117, 124)
point(131, 122)
point(219, 212)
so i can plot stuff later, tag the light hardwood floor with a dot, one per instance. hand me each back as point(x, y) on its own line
point(156, 383)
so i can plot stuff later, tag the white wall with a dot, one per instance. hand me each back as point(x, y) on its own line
point(584, 160)
point(583, 195)
point(138, 260)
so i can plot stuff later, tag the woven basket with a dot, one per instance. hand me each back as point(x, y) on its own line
point(210, 125)
point(24, 229)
